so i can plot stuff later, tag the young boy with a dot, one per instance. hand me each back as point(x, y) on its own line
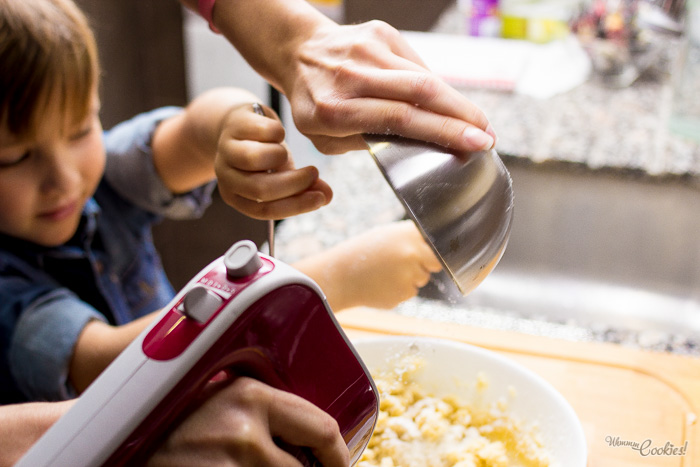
point(76, 209)
point(79, 275)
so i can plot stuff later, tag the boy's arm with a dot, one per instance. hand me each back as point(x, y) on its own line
point(98, 344)
point(184, 146)
point(220, 135)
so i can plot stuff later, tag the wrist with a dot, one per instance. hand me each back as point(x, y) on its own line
point(280, 29)
point(206, 9)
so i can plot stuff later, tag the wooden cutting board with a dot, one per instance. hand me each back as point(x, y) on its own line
point(622, 396)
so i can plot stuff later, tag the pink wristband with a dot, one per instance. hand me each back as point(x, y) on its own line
point(206, 9)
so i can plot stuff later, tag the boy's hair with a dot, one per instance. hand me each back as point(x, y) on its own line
point(48, 62)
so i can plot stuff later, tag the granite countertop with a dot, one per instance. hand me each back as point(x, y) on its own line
point(591, 125)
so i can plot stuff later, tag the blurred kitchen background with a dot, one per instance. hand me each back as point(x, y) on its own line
point(597, 108)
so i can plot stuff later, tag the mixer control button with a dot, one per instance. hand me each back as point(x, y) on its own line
point(242, 260)
point(200, 304)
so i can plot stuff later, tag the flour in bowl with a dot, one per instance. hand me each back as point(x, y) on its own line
point(419, 429)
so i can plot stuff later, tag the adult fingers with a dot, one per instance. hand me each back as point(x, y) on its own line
point(420, 88)
point(382, 116)
point(301, 423)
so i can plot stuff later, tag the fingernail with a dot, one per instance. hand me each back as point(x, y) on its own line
point(492, 132)
point(478, 139)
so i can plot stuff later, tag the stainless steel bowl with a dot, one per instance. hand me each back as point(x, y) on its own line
point(461, 202)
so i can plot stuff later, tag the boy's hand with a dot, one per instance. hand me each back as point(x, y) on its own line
point(256, 173)
point(379, 268)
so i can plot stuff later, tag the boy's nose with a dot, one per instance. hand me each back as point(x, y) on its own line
point(61, 171)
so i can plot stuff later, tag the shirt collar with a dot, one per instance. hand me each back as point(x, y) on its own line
point(88, 224)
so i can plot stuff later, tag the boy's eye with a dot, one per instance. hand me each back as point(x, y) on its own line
point(13, 160)
point(82, 133)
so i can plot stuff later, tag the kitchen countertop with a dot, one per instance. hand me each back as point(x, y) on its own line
point(592, 124)
point(617, 393)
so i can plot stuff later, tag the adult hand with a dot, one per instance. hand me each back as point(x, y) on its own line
point(237, 426)
point(345, 81)
point(365, 78)
point(255, 170)
point(21, 425)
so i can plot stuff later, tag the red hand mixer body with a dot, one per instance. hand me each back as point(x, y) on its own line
point(245, 314)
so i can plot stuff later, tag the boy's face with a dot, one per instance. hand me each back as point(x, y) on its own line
point(45, 182)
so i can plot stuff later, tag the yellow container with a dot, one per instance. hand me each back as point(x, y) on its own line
point(536, 21)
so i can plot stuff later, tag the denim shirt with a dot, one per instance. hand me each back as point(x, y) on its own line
point(109, 270)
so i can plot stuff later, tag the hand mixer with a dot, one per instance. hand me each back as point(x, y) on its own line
point(257, 108)
point(246, 314)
